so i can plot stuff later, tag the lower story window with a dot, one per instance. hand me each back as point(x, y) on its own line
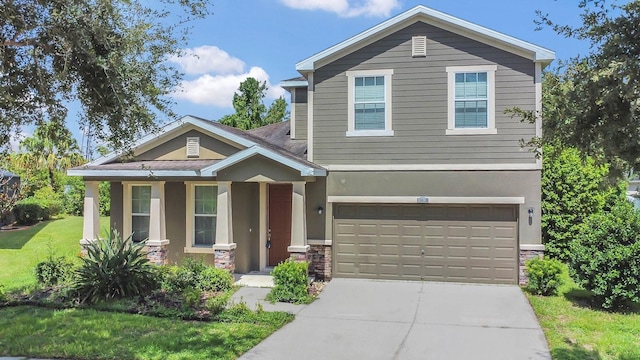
point(205, 210)
point(140, 212)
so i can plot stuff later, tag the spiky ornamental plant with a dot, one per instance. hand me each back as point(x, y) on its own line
point(114, 268)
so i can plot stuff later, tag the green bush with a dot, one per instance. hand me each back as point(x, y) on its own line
point(213, 279)
point(27, 213)
point(605, 258)
point(54, 271)
point(114, 268)
point(217, 304)
point(3, 296)
point(195, 274)
point(544, 276)
point(573, 188)
point(49, 200)
point(291, 280)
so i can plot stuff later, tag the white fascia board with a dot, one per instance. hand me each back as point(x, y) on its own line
point(132, 173)
point(257, 150)
point(293, 84)
point(169, 128)
point(540, 54)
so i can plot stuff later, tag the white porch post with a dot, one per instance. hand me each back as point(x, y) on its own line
point(157, 243)
point(224, 246)
point(157, 228)
point(91, 217)
point(299, 247)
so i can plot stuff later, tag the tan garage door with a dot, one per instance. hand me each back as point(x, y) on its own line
point(461, 243)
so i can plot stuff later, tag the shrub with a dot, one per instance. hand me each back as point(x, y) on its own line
point(544, 276)
point(290, 279)
point(213, 279)
point(605, 259)
point(49, 200)
point(114, 268)
point(195, 274)
point(573, 188)
point(54, 271)
point(27, 213)
point(217, 304)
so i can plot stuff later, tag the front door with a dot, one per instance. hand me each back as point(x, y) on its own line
point(279, 236)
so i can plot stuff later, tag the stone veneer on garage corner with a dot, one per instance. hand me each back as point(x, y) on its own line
point(320, 262)
point(524, 256)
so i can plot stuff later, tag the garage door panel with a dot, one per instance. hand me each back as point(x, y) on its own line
point(467, 243)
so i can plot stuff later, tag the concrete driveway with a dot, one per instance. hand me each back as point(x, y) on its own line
point(369, 319)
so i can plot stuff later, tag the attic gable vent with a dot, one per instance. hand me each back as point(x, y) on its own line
point(419, 46)
point(193, 147)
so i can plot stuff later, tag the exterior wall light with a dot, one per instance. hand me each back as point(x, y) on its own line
point(320, 210)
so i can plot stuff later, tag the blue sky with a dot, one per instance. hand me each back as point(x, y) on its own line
point(265, 39)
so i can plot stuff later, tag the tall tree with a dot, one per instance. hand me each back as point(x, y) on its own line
point(593, 102)
point(50, 151)
point(110, 55)
point(250, 109)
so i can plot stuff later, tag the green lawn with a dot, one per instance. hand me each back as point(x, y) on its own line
point(90, 334)
point(576, 331)
point(22, 250)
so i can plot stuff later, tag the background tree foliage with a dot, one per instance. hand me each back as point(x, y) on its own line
point(107, 54)
point(593, 102)
point(250, 109)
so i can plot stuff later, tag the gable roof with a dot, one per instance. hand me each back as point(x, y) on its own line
point(436, 18)
point(252, 144)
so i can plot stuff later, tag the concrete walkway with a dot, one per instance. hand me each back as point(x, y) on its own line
point(366, 319)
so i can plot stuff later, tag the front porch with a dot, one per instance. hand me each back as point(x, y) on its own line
point(240, 223)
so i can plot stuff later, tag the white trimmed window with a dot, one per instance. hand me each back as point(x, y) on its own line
point(369, 93)
point(471, 100)
point(140, 212)
point(202, 210)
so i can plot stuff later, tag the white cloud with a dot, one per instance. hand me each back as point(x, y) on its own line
point(346, 8)
point(218, 90)
point(208, 59)
point(15, 139)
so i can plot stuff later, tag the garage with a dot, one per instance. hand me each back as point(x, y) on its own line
point(454, 243)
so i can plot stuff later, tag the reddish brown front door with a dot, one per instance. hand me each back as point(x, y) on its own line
point(279, 222)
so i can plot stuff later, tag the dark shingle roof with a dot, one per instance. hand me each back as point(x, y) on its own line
point(8, 174)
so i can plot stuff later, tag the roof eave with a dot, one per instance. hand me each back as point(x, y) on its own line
point(107, 173)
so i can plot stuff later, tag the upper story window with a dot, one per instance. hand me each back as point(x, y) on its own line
point(369, 103)
point(471, 100)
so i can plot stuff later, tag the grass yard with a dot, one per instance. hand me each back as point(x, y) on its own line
point(22, 250)
point(90, 334)
point(574, 330)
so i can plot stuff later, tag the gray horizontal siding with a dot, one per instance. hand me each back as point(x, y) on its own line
point(301, 121)
point(420, 104)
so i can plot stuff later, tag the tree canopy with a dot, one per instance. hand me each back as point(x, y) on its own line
point(592, 102)
point(109, 55)
point(250, 109)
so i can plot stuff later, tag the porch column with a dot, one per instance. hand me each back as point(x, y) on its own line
point(224, 247)
point(157, 243)
point(299, 248)
point(91, 215)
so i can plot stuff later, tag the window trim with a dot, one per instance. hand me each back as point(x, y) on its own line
point(190, 246)
point(491, 101)
point(351, 75)
point(127, 206)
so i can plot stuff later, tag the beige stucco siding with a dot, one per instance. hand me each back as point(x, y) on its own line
point(258, 169)
point(480, 184)
point(175, 216)
point(115, 214)
point(419, 104)
point(246, 225)
point(175, 149)
point(316, 197)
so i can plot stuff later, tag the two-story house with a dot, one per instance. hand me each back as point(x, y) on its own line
point(398, 163)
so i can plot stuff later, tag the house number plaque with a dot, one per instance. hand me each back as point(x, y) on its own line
point(423, 200)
